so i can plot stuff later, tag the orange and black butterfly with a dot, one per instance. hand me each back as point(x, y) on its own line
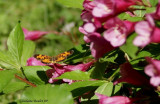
point(53, 59)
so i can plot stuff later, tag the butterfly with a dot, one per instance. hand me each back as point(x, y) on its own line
point(53, 59)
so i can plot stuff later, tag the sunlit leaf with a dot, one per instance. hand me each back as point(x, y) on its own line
point(81, 87)
point(14, 86)
point(15, 44)
point(105, 89)
point(28, 50)
point(5, 78)
point(75, 75)
point(153, 2)
point(98, 70)
point(7, 61)
point(129, 48)
point(36, 74)
point(46, 95)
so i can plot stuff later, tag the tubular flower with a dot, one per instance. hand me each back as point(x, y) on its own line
point(99, 46)
point(33, 35)
point(117, 31)
point(147, 32)
point(110, 8)
point(131, 76)
point(103, 99)
point(153, 70)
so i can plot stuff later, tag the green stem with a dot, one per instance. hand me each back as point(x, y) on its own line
point(113, 75)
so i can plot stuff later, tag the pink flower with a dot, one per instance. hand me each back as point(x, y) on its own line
point(153, 70)
point(59, 69)
point(155, 37)
point(131, 76)
point(147, 32)
point(156, 15)
point(103, 8)
point(103, 99)
point(86, 16)
point(88, 5)
point(34, 62)
point(89, 27)
point(117, 31)
point(33, 35)
point(110, 8)
point(144, 31)
point(122, 5)
point(99, 46)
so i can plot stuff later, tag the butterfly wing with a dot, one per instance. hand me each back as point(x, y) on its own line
point(62, 56)
point(43, 58)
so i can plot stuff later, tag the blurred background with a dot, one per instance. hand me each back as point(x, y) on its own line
point(42, 15)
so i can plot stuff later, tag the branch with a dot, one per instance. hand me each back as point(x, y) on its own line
point(24, 80)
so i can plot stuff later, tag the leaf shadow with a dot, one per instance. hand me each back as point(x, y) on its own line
point(42, 75)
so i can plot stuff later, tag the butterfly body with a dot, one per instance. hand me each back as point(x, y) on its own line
point(49, 59)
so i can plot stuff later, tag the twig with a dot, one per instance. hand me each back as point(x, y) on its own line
point(24, 80)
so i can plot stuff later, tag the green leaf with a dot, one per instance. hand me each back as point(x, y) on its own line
point(115, 56)
point(150, 9)
point(79, 84)
point(46, 94)
point(111, 56)
point(15, 44)
point(105, 89)
point(151, 50)
point(98, 70)
point(129, 48)
point(146, 2)
point(125, 16)
point(117, 87)
point(14, 86)
point(28, 50)
point(75, 75)
point(7, 61)
point(5, 78)
point(143, 54)
point(153, 2)
point(79, 88)
point(141, 12)
point(72, 3)
point(36, 74)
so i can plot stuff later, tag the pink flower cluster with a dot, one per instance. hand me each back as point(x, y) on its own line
point(147, 30)
point(100, 17)
point(105, 32)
